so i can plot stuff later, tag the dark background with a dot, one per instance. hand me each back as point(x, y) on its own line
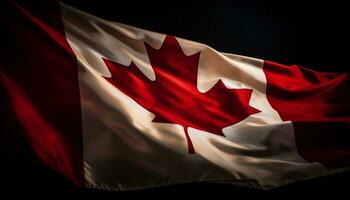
point(309, 33)
point(312, 34)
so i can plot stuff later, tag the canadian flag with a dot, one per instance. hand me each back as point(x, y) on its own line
point(117, 107)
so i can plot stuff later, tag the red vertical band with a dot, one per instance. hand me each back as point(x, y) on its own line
point(318, 104)
point(39, 84)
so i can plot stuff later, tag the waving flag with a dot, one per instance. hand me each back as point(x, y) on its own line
point(117, 107)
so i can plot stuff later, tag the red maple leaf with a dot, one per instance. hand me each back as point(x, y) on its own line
point(174, 98)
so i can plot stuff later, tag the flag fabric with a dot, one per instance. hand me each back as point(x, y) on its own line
point(116, 107)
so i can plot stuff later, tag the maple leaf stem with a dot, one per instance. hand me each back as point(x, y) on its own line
point(189, 142)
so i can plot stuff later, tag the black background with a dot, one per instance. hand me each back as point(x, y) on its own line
point(312, 34)
point(309, 33)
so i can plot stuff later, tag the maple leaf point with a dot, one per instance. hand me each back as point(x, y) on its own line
point(174, 98)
